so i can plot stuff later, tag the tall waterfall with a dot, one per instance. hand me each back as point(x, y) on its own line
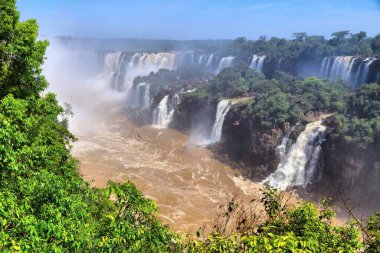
point(121, 68)
point(257, 63)
point(142, 96)
point(163, 114)
point(221, 112)
point(349, 69)
point(299, 167)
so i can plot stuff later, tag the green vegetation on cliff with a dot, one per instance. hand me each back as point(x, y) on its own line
point(281, 99)
point(360, 123)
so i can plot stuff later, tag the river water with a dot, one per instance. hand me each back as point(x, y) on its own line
point(184, 180)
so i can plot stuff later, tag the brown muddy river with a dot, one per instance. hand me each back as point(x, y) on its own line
point(184, 180)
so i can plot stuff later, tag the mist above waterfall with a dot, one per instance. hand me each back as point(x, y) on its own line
point(74, 75)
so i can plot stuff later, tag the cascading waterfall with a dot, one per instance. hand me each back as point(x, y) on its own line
point(282, 148)
point(257, 63)
point(221, 112)
point(111, 67)
point(225, 62)
point(366, 65)
point(209, 61)
point(350, 69)
point(300, 165)
point(325, 68)
point(121, 68)
point(341, 68)
point(163, 114)
point(142, 96)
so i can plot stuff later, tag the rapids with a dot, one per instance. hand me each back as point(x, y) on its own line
point(185, 181)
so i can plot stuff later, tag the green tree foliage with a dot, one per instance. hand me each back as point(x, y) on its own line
point(168, 78)
point(285, 229)
point(304, 47)
point(361, 122)
point(281, 99)
point(231, 82)
point(21, 55)
point(373, 233)
point(45, 206)
point(375, 45)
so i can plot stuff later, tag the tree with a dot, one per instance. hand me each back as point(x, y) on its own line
point(340, 36)
point(45, 205)
point(300, 36)
point(20, 54)
point(375, 44)
point(283, 229)
point(359, 36)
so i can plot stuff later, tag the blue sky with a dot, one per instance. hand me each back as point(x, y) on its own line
point(200, 19)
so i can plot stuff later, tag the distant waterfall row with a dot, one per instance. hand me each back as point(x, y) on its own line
point(121, 68)
point(299, 166)
point(355, 71)
point(352, 70)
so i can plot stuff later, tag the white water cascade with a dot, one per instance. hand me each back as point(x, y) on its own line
point(120, 68)
point(364, 74)
point(257, 63)
point(221, 112)
point(299, 167)
point(350, 69)
point(341, 69)
point(163, 114)
point(142, 96)
point(225, 62)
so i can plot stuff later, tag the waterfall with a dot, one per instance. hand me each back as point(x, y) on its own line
point(225, 62)
point(209, 61)
point(257, 63)
point(111, 67)
point(221, 112)
point(121, 68)
point(366, 65)
point(163, 114)
point(325, 68)
point(281, 149)
point(342, 68)
point(142, 96)
point(350, 69)
point(299, 167)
